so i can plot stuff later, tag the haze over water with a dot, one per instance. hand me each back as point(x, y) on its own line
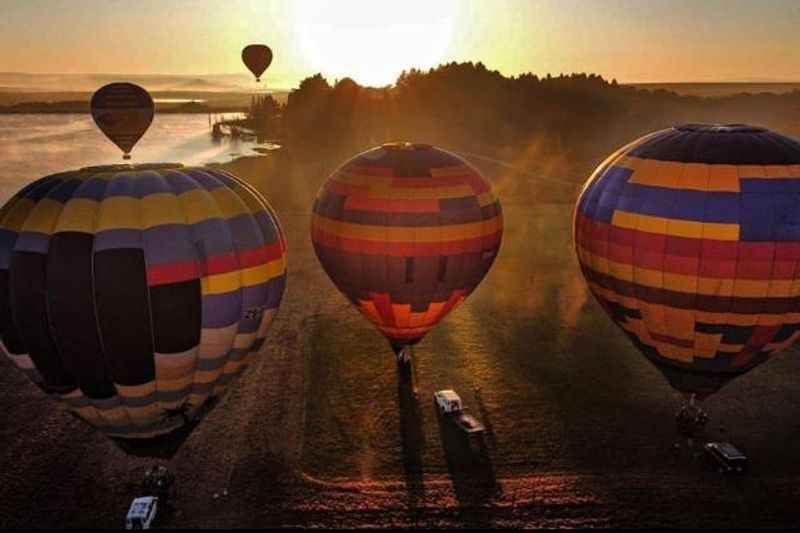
point(32, 146)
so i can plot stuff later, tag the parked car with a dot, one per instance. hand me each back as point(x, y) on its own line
point(142, 513)
point(725, 457)
point(447, 401)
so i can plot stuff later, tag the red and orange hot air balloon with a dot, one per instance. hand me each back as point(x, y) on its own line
point(257, 58)
point(406, 232)
point(690, 240)
point(123, 112)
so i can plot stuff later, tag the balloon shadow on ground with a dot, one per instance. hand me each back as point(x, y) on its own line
point(471, 472)
point(411, 434)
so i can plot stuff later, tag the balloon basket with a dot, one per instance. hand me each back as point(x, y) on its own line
point(126, 157)
point(407, 378)
point(404, 356)
point(691, 419)
point(160, 482)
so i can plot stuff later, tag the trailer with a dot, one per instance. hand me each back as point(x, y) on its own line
point(725, 457)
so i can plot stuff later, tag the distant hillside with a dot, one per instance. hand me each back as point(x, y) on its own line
point(15, 101)
point(29, 83)
point(198, 84)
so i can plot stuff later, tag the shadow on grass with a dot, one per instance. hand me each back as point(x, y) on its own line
point(471, 472)
point(412, 434)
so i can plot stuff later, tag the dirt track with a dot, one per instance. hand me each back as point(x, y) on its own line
point(56, 472)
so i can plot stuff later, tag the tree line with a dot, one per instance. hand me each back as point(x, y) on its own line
point(467, 107)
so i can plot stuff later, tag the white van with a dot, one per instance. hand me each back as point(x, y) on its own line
point(449, 404)
point(447, 401)
point(142, 513)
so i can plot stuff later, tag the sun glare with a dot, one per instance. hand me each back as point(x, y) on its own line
point(372, 42)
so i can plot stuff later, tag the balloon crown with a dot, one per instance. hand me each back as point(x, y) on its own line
point(129, 167)
point(405, 145)
point(720, 128)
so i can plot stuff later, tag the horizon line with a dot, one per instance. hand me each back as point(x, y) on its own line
point(541, 76)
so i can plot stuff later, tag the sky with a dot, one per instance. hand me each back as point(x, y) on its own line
point(373, 40)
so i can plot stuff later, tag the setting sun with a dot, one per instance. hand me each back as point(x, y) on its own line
point(373, 44)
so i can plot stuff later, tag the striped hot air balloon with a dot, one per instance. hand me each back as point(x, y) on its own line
point(123, 112)
point(134, 295)
point(690, 240)
point(257, 58)
point(406, 232)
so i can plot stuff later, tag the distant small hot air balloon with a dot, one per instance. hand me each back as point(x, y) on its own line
point(135, 295)
point(690, 240)
point(406, 232)
point(123, 112)
point(257, 58)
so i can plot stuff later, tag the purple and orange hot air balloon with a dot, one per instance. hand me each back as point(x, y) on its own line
point(406, 232)
point(134, 295)
point(690, 240)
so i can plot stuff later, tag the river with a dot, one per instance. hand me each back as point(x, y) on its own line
point(32, 146)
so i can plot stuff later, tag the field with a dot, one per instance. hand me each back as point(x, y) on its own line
point(324, 431)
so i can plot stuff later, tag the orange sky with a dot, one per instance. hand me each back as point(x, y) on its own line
point(631, 40)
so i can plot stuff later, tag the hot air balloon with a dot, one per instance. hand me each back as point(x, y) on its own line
point(406, 232)
point(134, 295)
point(257, 58)
point(123, 112)
point(690, 240)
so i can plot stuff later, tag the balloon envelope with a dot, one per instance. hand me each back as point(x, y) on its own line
point(406, 232)
point(123, 112)
point(135, 296)
point(690, 240)
point(257, 58)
